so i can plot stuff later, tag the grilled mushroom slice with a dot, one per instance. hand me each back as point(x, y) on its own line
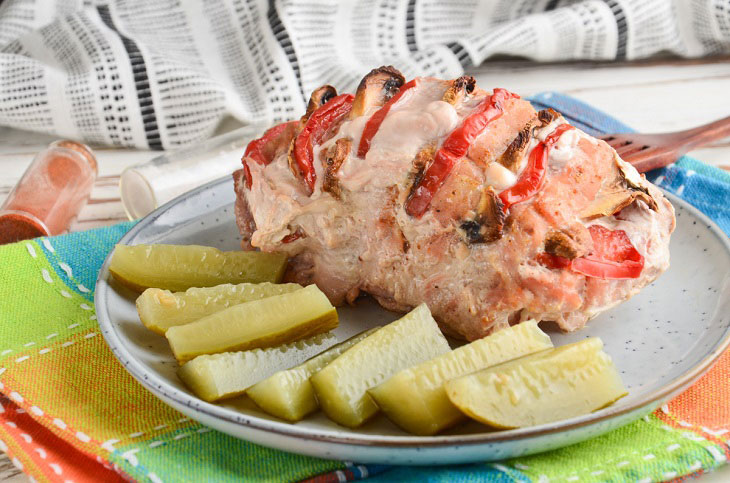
point(488, 223)
point(546, 116)
point(570, 243)
point(334, 158)
point(319, 98)
point(376, 88)
point(459, 89)
point(618, 193)
point(515, 153)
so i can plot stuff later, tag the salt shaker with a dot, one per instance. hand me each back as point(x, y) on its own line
point(50, 194)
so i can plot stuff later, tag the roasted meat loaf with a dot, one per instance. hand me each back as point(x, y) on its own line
point(437, 191)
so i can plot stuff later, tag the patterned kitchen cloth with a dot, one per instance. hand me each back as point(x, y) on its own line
point(70, 412)
point(162, 74)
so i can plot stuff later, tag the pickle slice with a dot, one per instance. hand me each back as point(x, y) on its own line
point(220, 376)
point(415, 398)
point(341, 387)
point(288, 394)
point(551, 385)
point(179, 267)
point(161, 309)
point(268, 322)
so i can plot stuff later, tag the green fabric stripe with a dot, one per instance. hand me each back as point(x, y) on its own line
point(34, 302)
point(201, 454)
point(84, 252)
point(644, 449)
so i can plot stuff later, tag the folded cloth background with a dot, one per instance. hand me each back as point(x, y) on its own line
point(71, 411)
point(163, 74)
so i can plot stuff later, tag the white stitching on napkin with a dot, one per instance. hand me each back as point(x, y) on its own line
point(66, 268)
point(48, 245)
point(719, 456)
point(46, 276)
point(31, 250)
point(109, 445)
point(83, 437)
point(129, 456)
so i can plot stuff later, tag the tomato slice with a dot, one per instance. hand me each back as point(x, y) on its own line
point(373, 124)
point(314, 130)
point(262, 150)
point(256, 149)
point(533, 175)
point(293, 236)
point(454, 148)
point(247, 173)
point(613, 257)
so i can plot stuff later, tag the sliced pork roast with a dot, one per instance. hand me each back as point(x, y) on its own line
point(471, 201)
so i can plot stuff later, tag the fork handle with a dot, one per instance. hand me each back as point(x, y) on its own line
point(700, 136)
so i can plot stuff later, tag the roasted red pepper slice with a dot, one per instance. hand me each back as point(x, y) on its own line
point(613, 256)
point(532, 176)
point(256, 148)
point(247, 173)
point(454, 148)
point(261, 151)
point(293, 236)
point(314, 130)
point(373, 124)
point(553, 261)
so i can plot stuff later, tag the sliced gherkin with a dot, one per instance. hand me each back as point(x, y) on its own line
point(552, 385)
point(289, 394)
point(268, 322)
point(342, 386)
point(220, 376)
point(415, 398)
point(179, 267)
point(161, 309)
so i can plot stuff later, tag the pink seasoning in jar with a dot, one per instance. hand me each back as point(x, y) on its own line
point(50, 194)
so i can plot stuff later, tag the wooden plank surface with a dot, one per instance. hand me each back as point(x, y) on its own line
point(655, 96)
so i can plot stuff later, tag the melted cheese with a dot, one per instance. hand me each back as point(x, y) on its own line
point(414, 122)
point(498, 177)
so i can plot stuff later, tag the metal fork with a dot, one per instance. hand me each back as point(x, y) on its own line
point(651, 151)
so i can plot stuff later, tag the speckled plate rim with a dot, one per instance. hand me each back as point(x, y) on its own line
point(165, 391)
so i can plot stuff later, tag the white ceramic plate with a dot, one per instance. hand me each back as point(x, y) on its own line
point(661, 340)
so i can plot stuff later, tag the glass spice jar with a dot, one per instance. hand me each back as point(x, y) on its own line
point(50, 194)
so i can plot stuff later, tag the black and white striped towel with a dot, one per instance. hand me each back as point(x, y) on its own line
point(163, 73)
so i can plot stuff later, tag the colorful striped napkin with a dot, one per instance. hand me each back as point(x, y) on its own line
point(69, 410)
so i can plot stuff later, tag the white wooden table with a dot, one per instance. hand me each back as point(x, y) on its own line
point(653, 96)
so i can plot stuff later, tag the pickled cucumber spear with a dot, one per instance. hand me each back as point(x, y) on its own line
point(556, 384)
point(179, 267)
point(161, 309)
point(341, 387)
point(415, 398)
point(268, 322)
point(288, 394)
point(221, 376)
